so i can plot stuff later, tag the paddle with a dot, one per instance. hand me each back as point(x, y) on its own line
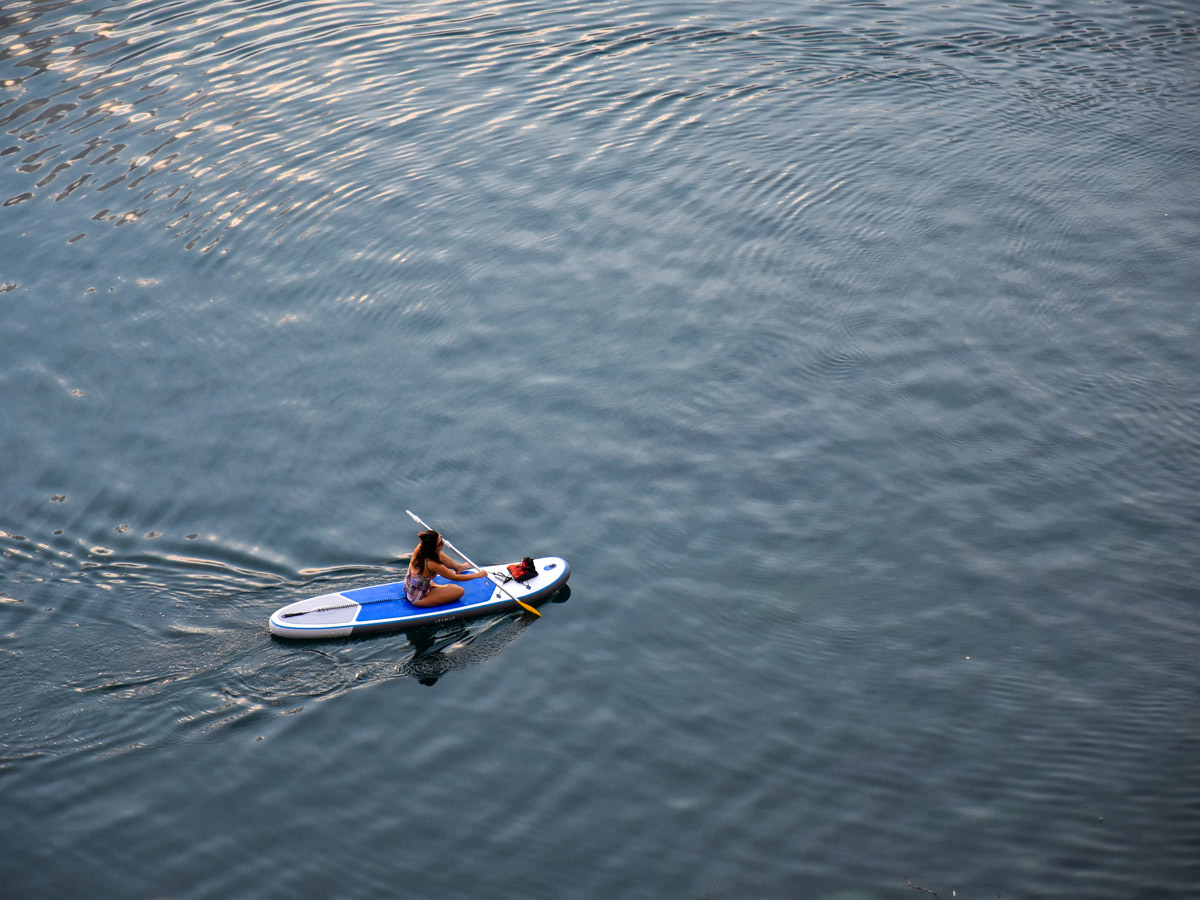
point(498, 584)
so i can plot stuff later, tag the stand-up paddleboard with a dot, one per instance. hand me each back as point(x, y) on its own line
point(383, 607)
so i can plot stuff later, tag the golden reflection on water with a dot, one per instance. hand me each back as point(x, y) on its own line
point(152, 114)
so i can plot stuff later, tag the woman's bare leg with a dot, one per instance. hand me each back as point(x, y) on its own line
point(440, 595)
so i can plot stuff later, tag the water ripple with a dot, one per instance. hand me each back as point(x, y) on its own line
point(212, 117)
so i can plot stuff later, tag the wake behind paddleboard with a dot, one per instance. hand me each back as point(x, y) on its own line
point(383, 607)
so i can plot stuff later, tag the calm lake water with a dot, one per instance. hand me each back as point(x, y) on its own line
point(848, 351)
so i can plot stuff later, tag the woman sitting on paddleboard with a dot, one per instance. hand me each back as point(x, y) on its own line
point(429, 560)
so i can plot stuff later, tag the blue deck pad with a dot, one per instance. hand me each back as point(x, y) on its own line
point(394, 590)
point(387, 601)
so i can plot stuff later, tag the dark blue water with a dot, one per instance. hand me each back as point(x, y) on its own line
point(847, 351)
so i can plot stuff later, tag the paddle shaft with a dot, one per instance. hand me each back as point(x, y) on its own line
point(498, 584)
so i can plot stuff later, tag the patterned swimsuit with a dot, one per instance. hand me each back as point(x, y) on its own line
point(416, 587)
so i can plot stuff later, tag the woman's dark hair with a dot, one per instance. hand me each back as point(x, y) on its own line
point(426, 551)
